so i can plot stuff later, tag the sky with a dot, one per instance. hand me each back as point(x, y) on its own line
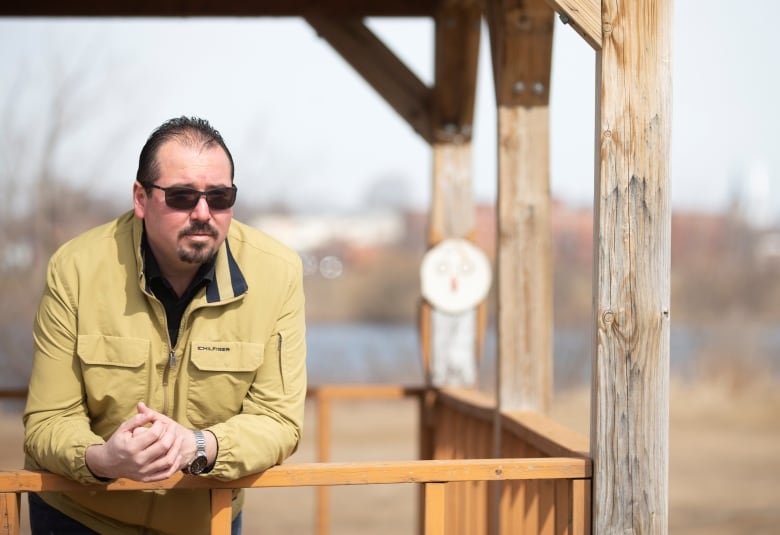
point(309, 133)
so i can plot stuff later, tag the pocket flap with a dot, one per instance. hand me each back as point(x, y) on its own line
point(95, 349)
point(226, 356)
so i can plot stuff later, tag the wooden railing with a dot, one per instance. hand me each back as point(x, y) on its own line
point(467, 426)
point(434, 475)
point(540, 480)
point(324, 397)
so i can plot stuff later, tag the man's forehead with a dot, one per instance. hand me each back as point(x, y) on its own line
point(180, 148)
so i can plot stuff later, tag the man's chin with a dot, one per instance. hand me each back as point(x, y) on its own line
point(196, 255)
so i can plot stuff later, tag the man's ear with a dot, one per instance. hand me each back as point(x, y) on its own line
point(139, 200)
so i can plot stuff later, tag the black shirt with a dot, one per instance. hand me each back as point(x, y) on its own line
point(161, 288)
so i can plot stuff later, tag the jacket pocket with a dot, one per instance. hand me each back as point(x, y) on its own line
point(221, 374)
point(115, 375)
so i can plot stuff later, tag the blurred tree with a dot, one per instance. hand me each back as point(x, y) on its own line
point(42, 203)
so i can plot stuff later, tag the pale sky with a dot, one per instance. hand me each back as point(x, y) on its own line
point(306, 130)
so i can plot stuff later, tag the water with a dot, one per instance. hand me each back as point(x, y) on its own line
point(390, 354)
point(364, 353)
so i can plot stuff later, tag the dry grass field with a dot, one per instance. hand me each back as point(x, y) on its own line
point(724, 463)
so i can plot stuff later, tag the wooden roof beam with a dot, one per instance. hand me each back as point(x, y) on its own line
point(458, 27)
point(584, 16)
point(225, 8)
point(380, 67)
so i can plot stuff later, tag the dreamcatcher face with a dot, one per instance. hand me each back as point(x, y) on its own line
point(455, 275)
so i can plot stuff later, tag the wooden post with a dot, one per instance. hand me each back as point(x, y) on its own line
point(435, 511)
point(521, 42)
point(221, 500)
point(630, 407)
point(453, 337)
point(453, 350)
point(323, 456)
point(524, 261)
point(9, 513)
point(521, 51)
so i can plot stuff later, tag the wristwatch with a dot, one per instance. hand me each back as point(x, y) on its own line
point(200, 462)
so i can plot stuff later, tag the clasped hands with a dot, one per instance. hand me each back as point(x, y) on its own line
point(146, 447)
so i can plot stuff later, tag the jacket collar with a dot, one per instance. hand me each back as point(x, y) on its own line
point(228, 281)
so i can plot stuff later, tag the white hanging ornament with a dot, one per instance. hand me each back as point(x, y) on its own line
point(455, 275)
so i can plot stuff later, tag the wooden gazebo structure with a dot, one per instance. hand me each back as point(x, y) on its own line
point(619, 484)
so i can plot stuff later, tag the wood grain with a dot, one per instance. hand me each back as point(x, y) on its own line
point(630, 409)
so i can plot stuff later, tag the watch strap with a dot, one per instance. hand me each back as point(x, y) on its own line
point(198, 464)
point(200, 442)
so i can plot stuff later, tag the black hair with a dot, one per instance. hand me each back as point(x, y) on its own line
point(189, 130)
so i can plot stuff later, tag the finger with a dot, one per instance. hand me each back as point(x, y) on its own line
point(143, 440)
point(155, 416)
point(169, 459)
point(156, 476)
point(179, 460)
point(166, 437)
point(138, 420)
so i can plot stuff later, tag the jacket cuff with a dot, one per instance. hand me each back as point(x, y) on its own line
point(80, 469)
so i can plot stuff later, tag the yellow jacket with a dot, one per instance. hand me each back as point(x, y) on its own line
point(101, 345)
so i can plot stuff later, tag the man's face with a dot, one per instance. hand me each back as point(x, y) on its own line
point(183, 239)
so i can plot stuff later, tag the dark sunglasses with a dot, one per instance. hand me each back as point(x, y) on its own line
point(184, 198)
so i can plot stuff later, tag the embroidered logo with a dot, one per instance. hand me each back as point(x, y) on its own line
point(213, 348)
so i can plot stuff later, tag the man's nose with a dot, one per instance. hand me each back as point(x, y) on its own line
point(201, 212)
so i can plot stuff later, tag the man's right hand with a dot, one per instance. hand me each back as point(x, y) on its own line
point(142, 448)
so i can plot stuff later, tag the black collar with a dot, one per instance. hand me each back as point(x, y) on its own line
point(155, 278)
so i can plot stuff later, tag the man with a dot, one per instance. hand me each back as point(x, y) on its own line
point(171, 338)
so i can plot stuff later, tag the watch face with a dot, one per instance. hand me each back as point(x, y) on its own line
point(198, 465)
point(455, 275)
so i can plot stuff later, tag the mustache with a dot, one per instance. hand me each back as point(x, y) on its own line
point(199, 228)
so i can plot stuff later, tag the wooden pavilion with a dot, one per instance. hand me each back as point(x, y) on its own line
point(544, 479)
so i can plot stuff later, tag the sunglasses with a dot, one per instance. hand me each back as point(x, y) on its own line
point(184, 198)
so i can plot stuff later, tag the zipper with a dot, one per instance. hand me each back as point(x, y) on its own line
point(170, 365)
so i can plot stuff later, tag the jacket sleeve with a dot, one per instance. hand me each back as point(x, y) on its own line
point(268, 429)
point(56, 424)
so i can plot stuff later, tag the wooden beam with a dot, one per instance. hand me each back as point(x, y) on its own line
point(582, 15)
point(632, 250)
point(521, 34)
point(380, 67)
point(525, 312)
point(521, 42)
point(225, 8)
point(458, 29)
point(315, 474)
point(9, 513)
point(221, 511)
point(435, 509)
point(452, 205)
point(451, 337)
